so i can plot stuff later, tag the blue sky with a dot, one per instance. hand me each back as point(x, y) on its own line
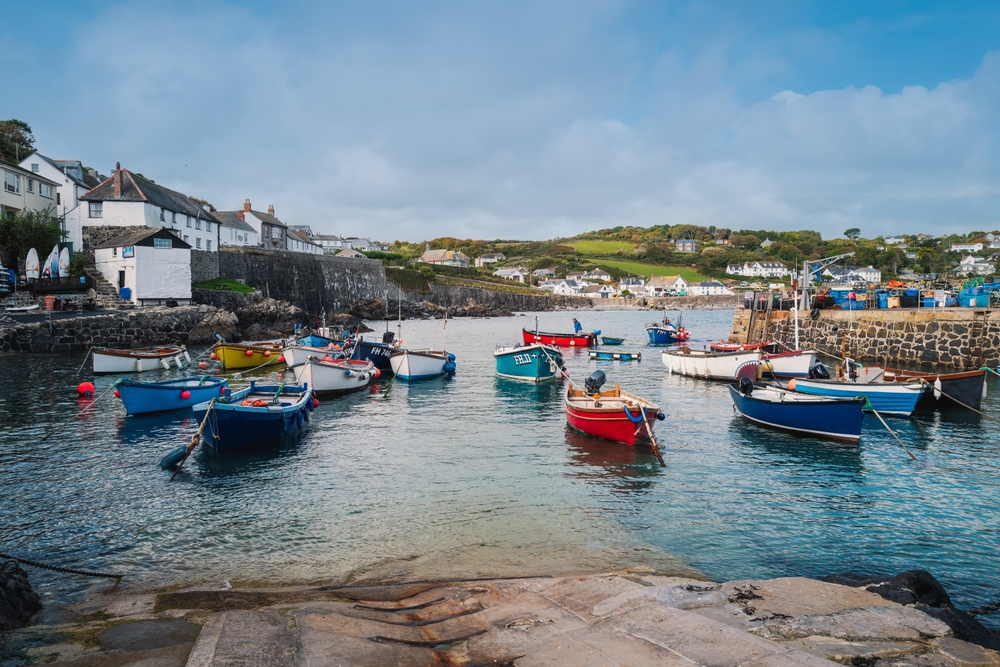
point(525, 119)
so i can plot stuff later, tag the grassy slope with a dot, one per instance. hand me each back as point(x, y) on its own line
point(690, 275)
point(600, 247)
point(224, 284)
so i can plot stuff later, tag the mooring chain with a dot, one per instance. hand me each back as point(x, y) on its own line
point(984, 610)
point(12, 563)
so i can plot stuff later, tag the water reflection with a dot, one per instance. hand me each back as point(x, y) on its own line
point(620, 467)
point(776, 448)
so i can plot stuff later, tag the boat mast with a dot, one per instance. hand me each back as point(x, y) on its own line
point(796, 284)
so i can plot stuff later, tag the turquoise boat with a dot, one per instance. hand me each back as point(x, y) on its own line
point(532, 363)
point(616, 356)
point(612, 340)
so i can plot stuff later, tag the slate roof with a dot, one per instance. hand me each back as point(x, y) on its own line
point(133, 238)
point(137, 188)
point(88, 181)
point(296, 235)
point(232, 219)
point(269, 219)
point(27, 172)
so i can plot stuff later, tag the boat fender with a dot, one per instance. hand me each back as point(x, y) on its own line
point(86, 390)
point(315, 402)
point(298, 419)
point(451, 357)
point(177, 360)
point(449, 367)
point(937, 389)
point(174, 457)
point(791, 384)
point(660, 416)
point(117, 394)
point(187, 357)
point(163, 362)
point(814, 314)
point(185, 395)
point(746, 386)
point(249, 353)
point(378, 373)
point(597, 332)
point(348, 372)
point(635, 420)
point(224, 390)
point(306, 413)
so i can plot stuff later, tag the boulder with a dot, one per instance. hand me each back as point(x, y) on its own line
point(271, 316)
point(220, 321)
point(18, 602)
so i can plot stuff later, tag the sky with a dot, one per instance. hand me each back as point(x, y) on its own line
point(528, 120)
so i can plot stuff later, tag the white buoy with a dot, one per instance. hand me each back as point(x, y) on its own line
point(187, 357)
point(177, 360)
point(138, 365)
point(984, 389)
point(937, 388)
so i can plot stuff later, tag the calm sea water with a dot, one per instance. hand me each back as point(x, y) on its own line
point(477, 476)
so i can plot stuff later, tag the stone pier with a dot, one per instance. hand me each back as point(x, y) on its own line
point(960, 338)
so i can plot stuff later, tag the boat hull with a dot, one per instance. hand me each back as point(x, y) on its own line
point(377, 353)
point(413, 365)
point(895, 399)
point(582, 339)
point(333, 377)
point(611, 340)
point(149, 397)
point(531, 363)
point(139, 360)
point(607, 420)
point(790, 364)
point(233, 356)
point(968, 387)
point(830, 419)
point(296, 355)
point(660, 336)
point(711, 365)
point(615, 356)
point(233, 427)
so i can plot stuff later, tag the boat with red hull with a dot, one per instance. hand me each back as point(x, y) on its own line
point(581, 339)
point(612, 415)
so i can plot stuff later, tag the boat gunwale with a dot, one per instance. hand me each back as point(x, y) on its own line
point(141, 352)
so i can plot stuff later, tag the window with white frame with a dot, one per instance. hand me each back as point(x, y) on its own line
point(208, 226)
point(163, 243)
point(185, 238)
point(208, 245)
point(114, 252)
point(189, 221)
point(96, 209)
point(12, 183)
point(29, 184)
point(197, 243)
point(197, 223)
point(34, 167)
point(267, 231)
point(173, 217)
point(45, 190)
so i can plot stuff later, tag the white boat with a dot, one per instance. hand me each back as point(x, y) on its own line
point(329, 377)
point(789, 364)
point(140, 359)
point(711, 365)
point(295, 355)
point(420, 364)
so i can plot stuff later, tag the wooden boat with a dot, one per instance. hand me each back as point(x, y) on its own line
point(666, 334)
point(376, 352)
point(235, 356)
point(582, 339)
point(615, 356)
point(139, 359)
point(969, 387)
point(534, 363)
point(711, 365)
point(612, 340)
point(181, 394)
point(820, 416)
point(295, 355)
point(329, 376)
point(895, 398)
point(613, 415)
point(413, 365)
point(254, 416)
point(775, 361)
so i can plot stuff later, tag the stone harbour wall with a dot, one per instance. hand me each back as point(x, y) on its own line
point(226, 300)
point(454, 296)
point(728, 302)
point(959, 338)
point(204, 265)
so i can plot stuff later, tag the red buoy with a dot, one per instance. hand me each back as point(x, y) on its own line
point(281, 358)
point(328, 358)
point(249, 353)
point(315, 402)
point(117, 395)
point(213, 356)
point(222, 390)
point(202, 365)
point(85, 390)
point(378, 373)
point(185, 394)
point(267, 353)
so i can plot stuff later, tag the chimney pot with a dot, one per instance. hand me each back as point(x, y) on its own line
point(246, 205)
point(270, 209)
point(118, 180)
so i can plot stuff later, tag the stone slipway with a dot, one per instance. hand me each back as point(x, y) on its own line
point(633, 617)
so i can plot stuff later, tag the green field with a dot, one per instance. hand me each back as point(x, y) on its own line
point(646, 270)
point(600, 247)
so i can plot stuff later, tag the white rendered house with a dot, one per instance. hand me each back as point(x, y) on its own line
point(153, 265)
point(234, 230)
point(22, 190)
point(74, 182)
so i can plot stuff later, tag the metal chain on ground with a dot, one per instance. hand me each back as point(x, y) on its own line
point(17, 561)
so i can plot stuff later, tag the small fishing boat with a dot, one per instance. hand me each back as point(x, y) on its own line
point(894, 398)
point(775, 361)
point(969, 387)
point(139, 359)
point(181, 394)
point(820, 416)
point(376, 352)
point(711, 365)
point(666, 334)
point(330, 376)
point(295, 355)
point(534, 363)
point(235, 356)
point(612, 340)
point(581, 339)
point(254, 416)
point(21, 309)
point(613, 415)
point(413, 365)
point(615, 356)
point(314, 340)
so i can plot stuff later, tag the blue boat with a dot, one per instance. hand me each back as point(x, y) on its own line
point(897, 399)
point(255, 415)
point(819, 416)
point(312, 340)
point(142, 398)
point(616, 356)
point(375, 352)
point(612, 340)
point(534, 363)
point(666, 334)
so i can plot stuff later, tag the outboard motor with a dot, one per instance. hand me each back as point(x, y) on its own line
point(818, 372)
point(746, 386)
point(388, 337)
point(594, 383)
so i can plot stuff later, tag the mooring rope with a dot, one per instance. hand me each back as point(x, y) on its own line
point(55, 568)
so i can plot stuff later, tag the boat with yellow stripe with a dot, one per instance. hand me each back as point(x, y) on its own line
point(235, 356)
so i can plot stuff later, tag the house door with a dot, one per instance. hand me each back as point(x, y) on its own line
point(121, 279)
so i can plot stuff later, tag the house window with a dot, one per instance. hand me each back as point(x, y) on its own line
point(189, 221)
point(57, 199)
point(173, 217)
point(46, 190)
point(208, 226)
point(12, 182)
point(208, 245)
point(197, 224)
point(30, 184)
point(114, 252)
point(96, 209)
point(163, 215)
point(34, 167)
point(267, 231)
point(163, 243)
point(185, 238)
point(197, 243)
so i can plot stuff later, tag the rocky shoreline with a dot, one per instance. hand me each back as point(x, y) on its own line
point(633, 617)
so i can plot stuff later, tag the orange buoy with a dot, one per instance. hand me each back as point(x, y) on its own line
point(185, 394)
point(328, 358)
point(378, 373)
point(203, 365)
point(213, 356)
point(281, 358)
point(267, 353)
point(85, 390)
point(249, 353)
point(315, 402)
point(222, 390)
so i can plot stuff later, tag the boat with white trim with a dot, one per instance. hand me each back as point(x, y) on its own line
point(534, 363)
point(140, 359)
point(710, 365)
point(329, 376)
point(412, 365)
point(820, 416)
point(254, 416)
point(612, 415)
point(775, 361)
point(183, 393)
point(897, 399)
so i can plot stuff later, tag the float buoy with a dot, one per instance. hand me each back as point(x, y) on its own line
point(85, 390)
point(267, 353)
point(185, 395)
point(117, 395)
point(281, 358)
point(249, 353)
point(202, 365)
point(222, 390)
point(378, 373)
point(213, 356)
point(315, 402)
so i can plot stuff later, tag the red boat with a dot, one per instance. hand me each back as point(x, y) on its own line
point(582, 339)
point(612, 415)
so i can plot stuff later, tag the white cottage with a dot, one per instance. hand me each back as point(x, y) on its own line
point(154, 266)
point(234, 230)
point(73, 179)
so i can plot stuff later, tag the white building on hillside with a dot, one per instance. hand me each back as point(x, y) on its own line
point(966, 247)
point(298, 242)
point(490, 258)
point(600, 291)
point(568, 287)
point(24, 190)
point(758, 269)
point(74, 181)
point(517, 275)
point(710, 288)
point(665, 285)
point(597, 274)
point(234, 231)
point(975, 265)
point(154, 265)
point(331, 243)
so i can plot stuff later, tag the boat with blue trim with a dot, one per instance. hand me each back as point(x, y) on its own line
point(330, 376)
point(820, 416)
point(376, 352)
point(897, 399)
point(141, 398)
point(413, 365)
point(534, 363)
point(255, 415)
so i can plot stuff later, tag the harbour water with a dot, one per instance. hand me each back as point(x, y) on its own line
point(477, 476)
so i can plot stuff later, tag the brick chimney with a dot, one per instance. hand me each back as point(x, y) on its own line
point(246, 205)
point(270, 209)
point(239, 214)
point(118, 180)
